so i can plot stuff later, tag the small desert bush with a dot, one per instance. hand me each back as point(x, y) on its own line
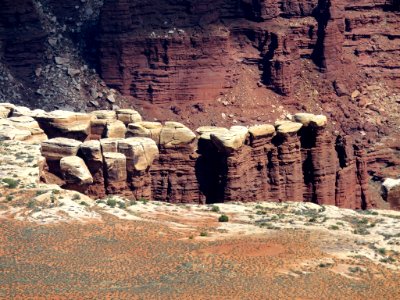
point(111, 202)
point(223, 218)
point(31, 204)
point(215, 208)
point(11, 183)
point(388, 260)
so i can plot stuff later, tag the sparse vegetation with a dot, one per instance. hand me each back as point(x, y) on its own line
point(40, 192)
point(382, 251)
point(11, 183)
point(111, 202)
point(355, 269)
point(76, 197)
point(215, 208)
point(203, 233)
point(31, 204)
point(387, 260)
point(361, 231)
point(325, 265)
point(334, 227)
point(143, 200)
point(223, 218)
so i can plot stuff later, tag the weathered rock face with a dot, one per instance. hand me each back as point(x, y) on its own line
point(174, 173)
point(74, 171)
point(65, 124)
point(115, 173)
point(22, 38)
point(187, 51)
point(22, 129)
point(93, 157)
point(298, 160)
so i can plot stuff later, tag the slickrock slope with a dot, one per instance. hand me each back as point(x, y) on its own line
point(294, 160)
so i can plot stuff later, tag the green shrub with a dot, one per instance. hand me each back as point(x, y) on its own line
point(223, 218)
point(121, 205)
point(143, 200)
point(388, 260)
point(9, 197)
point(324, 265)
point(31, 204)
point(111, 202)
point(334, 227)
point(76, 197)
point(11, 183)
point(361, 231)
point(84, 203)
point(355, 269)
point(215, 208)
point(203, 233)
point(382, 251)
point(40, 192)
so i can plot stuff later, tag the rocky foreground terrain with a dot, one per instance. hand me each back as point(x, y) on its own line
point(56, 243)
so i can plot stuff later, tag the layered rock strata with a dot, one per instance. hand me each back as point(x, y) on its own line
point(293, 160)
point(187, 52)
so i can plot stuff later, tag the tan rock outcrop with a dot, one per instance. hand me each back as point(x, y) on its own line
point(105, 114)
point(109, 145)
point(145, 129)
point(29, 123)
point(74, 171)
point(91, 153)
point(115, 129)
point(140, 153)
point(115, 173)
point(288, 127)
point(310, 119)
point(175, 135)
point(262, 130)
point(57, 148)
point(230, 141)
point(65, 124)
point(107, 128)
point(9, 132)
point(5, 112)
point(128, 116)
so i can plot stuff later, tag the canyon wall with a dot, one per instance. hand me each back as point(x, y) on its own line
point(169, 50)
point(116, 152)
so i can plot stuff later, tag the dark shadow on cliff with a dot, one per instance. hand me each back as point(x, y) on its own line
point(211, 173)
point(322, 15)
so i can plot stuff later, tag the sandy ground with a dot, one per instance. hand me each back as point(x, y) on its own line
point(57, 244)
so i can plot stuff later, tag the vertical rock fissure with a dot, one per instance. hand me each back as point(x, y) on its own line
point(323, 16)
